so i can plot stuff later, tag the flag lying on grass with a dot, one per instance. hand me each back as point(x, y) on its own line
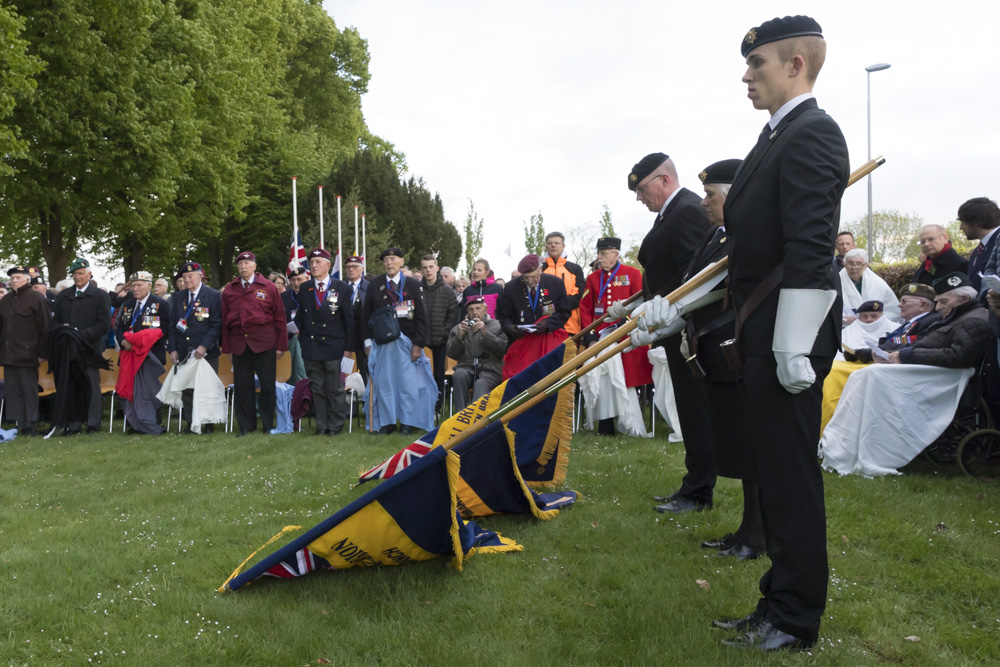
point(411, 517)
point(542, 434)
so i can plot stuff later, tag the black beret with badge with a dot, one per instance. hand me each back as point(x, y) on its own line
point(38, 280)
point(189, 267)
point(870, 307)
point(391, 251)
point(951, 281)
point(777, 29)
point(297, 271)
point(18, 269)
point(644, 168)
point(723, 171)
point(609, 243)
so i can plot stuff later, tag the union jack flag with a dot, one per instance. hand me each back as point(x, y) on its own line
point(399, 460)
point(300, 563)
point(296, 255)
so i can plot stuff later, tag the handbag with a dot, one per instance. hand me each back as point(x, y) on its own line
point(384, 325)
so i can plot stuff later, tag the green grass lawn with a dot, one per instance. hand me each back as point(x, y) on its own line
point(112, 548)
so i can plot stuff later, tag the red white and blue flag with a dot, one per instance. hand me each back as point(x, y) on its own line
point(296, 255)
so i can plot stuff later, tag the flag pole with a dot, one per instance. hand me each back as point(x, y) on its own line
point(295, 220)
point(364, 246)
point(321, 216)
point(338, 227)
point(355, 229)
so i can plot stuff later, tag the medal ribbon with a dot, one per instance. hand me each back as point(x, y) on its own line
point(534, 304)
point(605, 284)
point(136, 315)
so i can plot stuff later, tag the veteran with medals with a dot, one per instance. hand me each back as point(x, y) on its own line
point(255, 333)
point(141, 328)
point(401, 385)
point(291, 300)
point(607, 389)
point(326, 333)
point(196, 313)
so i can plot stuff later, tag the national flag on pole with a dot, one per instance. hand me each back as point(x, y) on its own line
point(541, 435)
point(296, 255)
point(335, 269)
point(411, 517)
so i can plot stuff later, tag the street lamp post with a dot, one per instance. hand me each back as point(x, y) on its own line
point(871, 68)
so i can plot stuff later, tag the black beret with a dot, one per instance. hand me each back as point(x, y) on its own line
point(609, 243)
point(189, 267)
point(777, 29)
point(723, 171)
point(644, 168)
point(18, 269)
point(391, 251)
point(38, 280)
point(297, 271)
point(951, 281)
point(870, 307)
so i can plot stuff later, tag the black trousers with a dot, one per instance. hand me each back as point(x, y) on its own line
point(188, 394)
point(783, 431)
point(438, 358)
point(245, 365)
point(329, 398)
point(696, 427)
point(95, 410)
point(362, 360)
point(21, 391)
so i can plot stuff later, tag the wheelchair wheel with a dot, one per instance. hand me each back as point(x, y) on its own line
point(978, 454)
point(969, 420)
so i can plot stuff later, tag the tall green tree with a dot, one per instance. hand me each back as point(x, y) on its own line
point(534, 235)
point(473, 232)
point(606, 226)
point(895, 235)
point(19, 69)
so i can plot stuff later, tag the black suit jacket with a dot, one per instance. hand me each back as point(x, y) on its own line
point(359, 341)
point(204, 324)
point(155, 314)
point(783, 209)
point(90, 313)
point(377, 296)
point(514, 309)
point(672, 242)
point(326, 331)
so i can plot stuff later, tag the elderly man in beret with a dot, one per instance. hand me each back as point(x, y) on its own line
point(872, 431)
point(782, 218)
point(81, 321)
point(24, 336)
point(533, 309)
point(142, 326)
point(255, 333)
point(917, 309)
point(196, 313)
point(326, 333)
point(401, 387)
point(478, 344)
point(291, 300)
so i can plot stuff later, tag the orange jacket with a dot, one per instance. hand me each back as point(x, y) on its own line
point(572, 277)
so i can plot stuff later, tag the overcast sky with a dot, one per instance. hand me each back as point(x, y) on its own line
point(545, 106)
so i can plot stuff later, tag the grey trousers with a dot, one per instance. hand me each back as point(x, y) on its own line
point(462, 380)
point(21, 387)
point(329, 398)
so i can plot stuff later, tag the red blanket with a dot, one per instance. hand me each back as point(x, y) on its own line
point(129, 361)
point(527, 350)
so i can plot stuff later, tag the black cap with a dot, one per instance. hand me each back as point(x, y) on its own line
point(609, 243)
point(723, 171)
point(391, 251)
point(297, 271)
point(188, 267)
point(951, 281)
point(38, 280)
point(777, 29)
point(644, 168)
point(870, 307)
point(18, 269)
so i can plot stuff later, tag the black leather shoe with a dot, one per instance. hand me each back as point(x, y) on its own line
point(682, 505)
point(740, 551)
point(665, 499)
point(91, 429)
point(388, 429)
point(334, 431)
point(748, 622)
point(720, 543)
point(242, 433)
point(29, 431)
point(70, 432)
point(406, 430)
point(765, 637)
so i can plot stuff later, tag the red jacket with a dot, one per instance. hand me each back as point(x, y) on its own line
point(626, 282)
point(253, 317)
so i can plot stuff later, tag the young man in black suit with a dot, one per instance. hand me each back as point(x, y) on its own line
point(326, 332)
point(196, 313)
point(782, 217)
point(678, 231)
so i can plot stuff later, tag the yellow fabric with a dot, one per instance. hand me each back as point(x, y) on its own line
point(239, 568)
point(559, 270)
point(833, 387)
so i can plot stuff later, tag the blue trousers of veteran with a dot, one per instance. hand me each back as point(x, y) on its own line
point(329, 399)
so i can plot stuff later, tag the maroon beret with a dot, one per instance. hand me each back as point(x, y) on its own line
point(527, 264)
point(246, 254)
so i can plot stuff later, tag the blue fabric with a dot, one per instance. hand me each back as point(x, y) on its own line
point(8, 434)
point(283, 408)
point(405, 390)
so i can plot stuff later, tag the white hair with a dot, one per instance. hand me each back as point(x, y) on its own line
point(932, 224)
point(967, 291)
point(723, 189)
point(857, 252)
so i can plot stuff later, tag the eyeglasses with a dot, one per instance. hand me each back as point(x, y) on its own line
point(854, 265)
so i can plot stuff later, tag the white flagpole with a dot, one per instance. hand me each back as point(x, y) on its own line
point(321, 216)
point(295, 221)
point(338, 226)
point(355, 229)
point(364, 246)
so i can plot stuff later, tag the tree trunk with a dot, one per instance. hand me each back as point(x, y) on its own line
point(57, 255)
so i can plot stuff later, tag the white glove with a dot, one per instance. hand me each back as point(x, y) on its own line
point(800, 314)
point(619, 311)
point(685, 348)
point(642, 338)
point(657, 314)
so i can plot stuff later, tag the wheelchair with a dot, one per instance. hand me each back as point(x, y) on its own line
point(971, 439)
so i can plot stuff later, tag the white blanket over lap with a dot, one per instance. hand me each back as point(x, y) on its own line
point(605, 396)
point(888, 414)
point(208, 404)
point(664, 397)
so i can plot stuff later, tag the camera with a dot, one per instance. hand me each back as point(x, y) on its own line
point(470, 323)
